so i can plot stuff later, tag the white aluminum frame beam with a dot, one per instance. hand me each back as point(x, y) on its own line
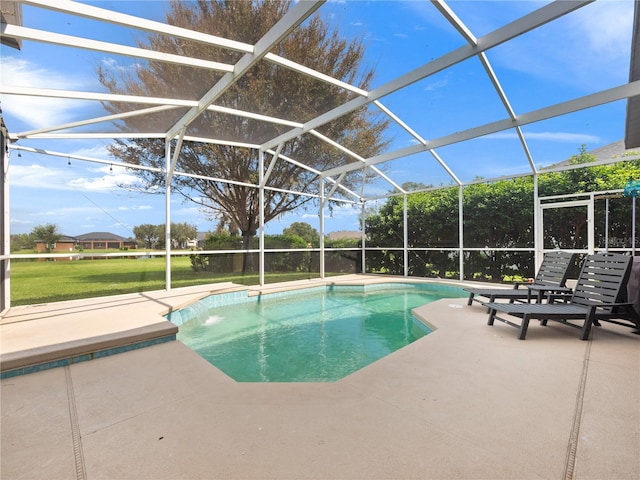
point(334, 187)
point(162, 104)
point(101, 14)
point(294, 17)
point(67, 40)
point(101, 97)
point(104, 15)
point(472, 40)
point(69, 157)
point(174, 160)
point(167, 210)
point(522, 25)
point(588, 101)
point(24, 33)
point(272, 164)
point(317, 172)
point(476, 47)
point(107, 118)
point(83, 158)
point(354, 155)
point(415, 135)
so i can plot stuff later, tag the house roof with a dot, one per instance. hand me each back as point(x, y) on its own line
point(67, 239)
point(344, 234)
point(612, 150)
point(105, 236)
point(62, 239)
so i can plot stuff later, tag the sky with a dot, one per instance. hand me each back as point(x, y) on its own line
point(583, 53)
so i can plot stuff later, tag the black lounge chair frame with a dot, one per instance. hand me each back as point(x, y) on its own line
point(551, 278)
point(596, 297)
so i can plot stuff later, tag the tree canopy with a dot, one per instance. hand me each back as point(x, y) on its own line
point(267, 89)
point(304, 231)
point(152, 236)
point(47, 234)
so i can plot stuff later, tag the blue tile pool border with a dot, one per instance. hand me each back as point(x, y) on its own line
point(63, 362)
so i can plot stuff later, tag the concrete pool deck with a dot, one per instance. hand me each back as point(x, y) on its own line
point(468, 401)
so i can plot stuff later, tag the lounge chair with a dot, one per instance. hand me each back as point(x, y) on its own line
point(551, 277)
point(596, 297)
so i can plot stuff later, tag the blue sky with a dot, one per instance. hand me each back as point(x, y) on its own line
point(580, 54)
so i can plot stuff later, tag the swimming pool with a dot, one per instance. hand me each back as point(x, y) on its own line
point(319, 334)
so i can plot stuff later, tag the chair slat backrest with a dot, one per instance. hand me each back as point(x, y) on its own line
point(555, 268)
point(603, 279)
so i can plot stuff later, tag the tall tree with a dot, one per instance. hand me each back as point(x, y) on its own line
point(148, 235)
point(304, 231)
point(266, 89)
point(47, 234)
point(21, 241)
point(181, 233)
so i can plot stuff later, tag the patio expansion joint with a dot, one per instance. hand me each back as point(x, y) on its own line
point(78, 455)
point(572, 447)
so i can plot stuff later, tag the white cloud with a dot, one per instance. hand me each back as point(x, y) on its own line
point(121, 70)
point(104, 183)
point(20, 72)
point(17, 221)
point(586, 49)
point(37, 112)
point(98, 151)
point(436, 85)
point(342, 211)
point(605, 27)
point(135, 208)
point(69, 212)
point(549, 137)
point(35, 176)
point(51, 178)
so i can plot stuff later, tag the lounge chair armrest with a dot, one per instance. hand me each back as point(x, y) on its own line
point(549, 288)
point(596, 306)
point(559, 296)
point(606, 305)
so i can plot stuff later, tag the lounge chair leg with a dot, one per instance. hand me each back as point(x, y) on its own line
point(586, 330)
point(589, 320)
point(523, 327)
point(492, 299)
point(492, 317)
point(470, 301)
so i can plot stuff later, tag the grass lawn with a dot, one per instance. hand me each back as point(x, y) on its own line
point(34, 282)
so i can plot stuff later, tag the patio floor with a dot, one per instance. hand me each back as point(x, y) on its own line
point(468, 401)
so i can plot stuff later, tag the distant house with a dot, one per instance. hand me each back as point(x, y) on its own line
point(64, 244)
point(201, 238)
point(613, 150)
point(344, 234)
point(104, 241)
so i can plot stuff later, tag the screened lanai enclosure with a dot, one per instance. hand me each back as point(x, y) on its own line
point(261, 141)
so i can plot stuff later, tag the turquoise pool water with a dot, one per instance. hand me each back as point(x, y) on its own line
point(312, 335)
